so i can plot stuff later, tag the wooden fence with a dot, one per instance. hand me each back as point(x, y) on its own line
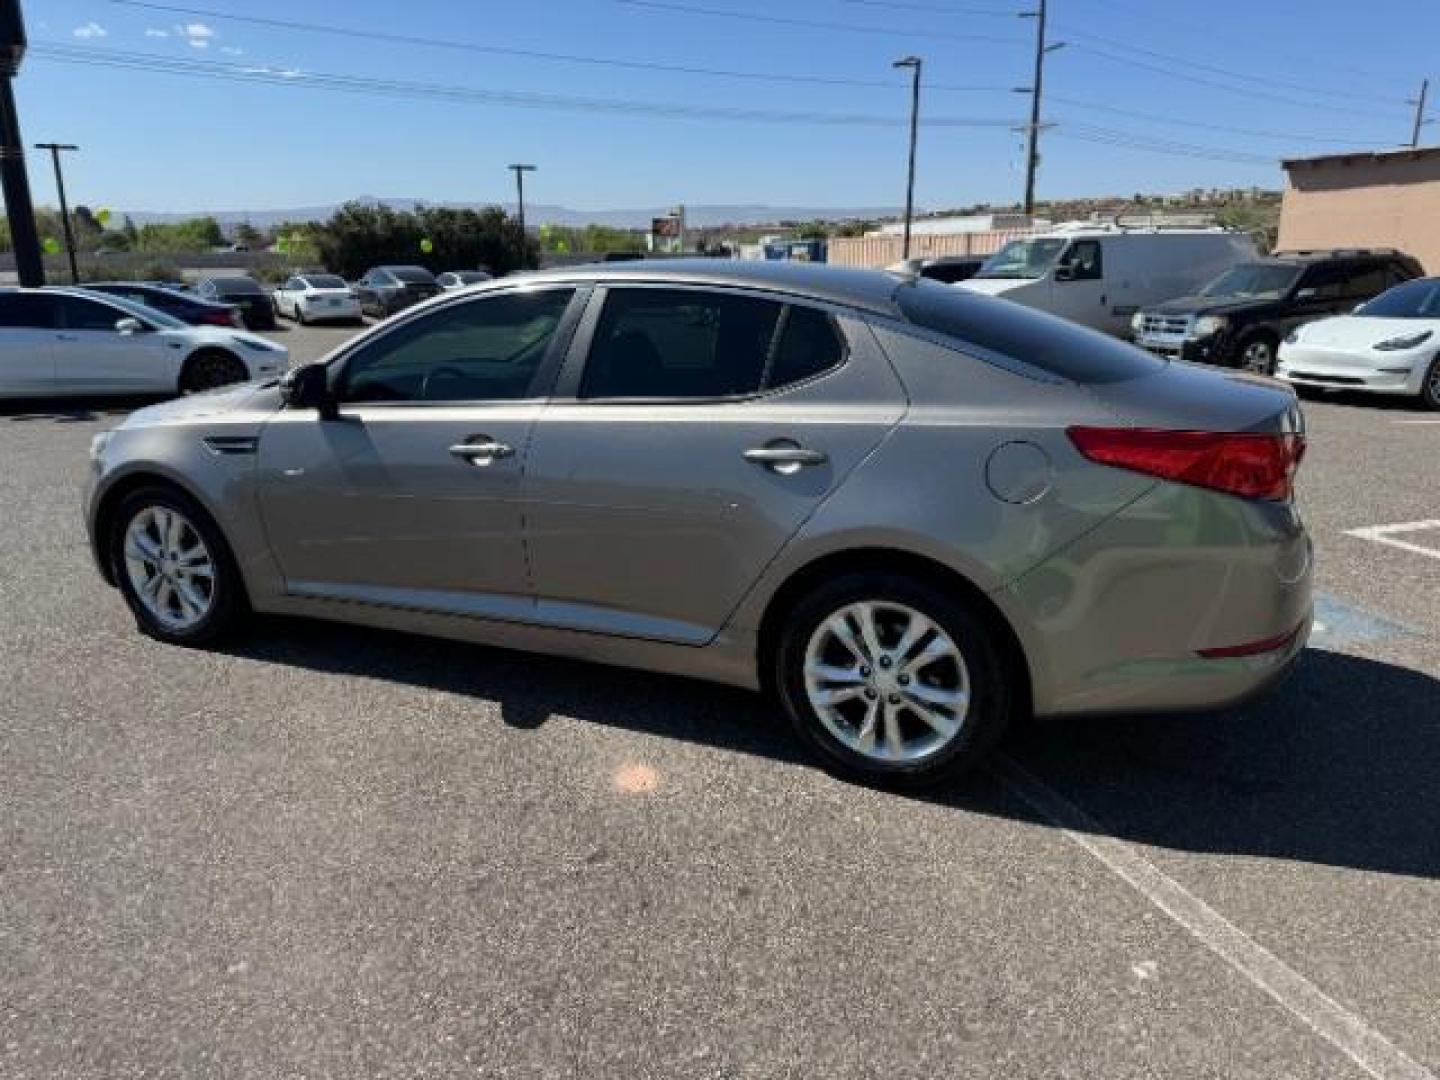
point(879, 251)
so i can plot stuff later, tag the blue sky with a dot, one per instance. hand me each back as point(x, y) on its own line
point(1317, 75)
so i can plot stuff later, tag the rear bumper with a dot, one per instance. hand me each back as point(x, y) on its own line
point(1399, 373)
point(1120, 620)
point(319, 312)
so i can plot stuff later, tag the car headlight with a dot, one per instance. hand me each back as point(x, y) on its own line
point(1407, 341)
point(1207, 325)
point(98, 444)
point(1137, 321)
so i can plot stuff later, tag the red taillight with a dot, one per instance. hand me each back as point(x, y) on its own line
point(216, 318)
point(1239, 463)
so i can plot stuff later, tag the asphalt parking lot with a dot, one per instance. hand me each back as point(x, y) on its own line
point(335, 852)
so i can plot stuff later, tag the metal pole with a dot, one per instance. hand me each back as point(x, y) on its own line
point(1420, 112)
point(1032, 153)
point(23, 236)
point(914, 63)
point(55, 149)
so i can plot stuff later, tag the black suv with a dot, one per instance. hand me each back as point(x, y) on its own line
point(1240, 318)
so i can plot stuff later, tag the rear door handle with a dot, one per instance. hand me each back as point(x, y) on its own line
point(67, 337)
point(783, 456)
point(482, 451)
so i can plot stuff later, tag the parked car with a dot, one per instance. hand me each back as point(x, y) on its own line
point(72, 341)
point(384, 290)
point(458, 279)
point(944, 268)
point(1240, 318)
point(255, 305)
point(186, 307)
point(1100, 275)
point(1389, 345)
point(310, 298)
point(911, 511)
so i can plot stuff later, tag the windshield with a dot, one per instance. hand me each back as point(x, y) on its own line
point(146, 312)
point(1271, 280)
point(1413, 300)
point(237, 286)
point(1023, 259)
point(325, 281)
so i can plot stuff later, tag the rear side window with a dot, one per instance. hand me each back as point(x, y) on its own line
point(809, 345)
point(1084, 260)
point(679, 343)
point(27, 312)
point(1033, 337)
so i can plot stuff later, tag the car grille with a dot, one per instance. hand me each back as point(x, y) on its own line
point(1175, 325)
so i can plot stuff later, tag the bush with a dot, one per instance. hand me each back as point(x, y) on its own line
point(358, 237)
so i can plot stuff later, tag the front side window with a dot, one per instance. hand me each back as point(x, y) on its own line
point(679, 343)
point(1023, 259)
point(1327, 282)
point(1084, 261)
point(79, 314)
point(489, 349)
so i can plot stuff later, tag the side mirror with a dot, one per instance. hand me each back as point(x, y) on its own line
point(308, 387)
point(1065, 272)
point(1305, 294)
point(128, 326)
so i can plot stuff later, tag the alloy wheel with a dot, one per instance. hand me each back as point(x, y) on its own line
point(1259, 357)
point(169, 567)
point(887, 681)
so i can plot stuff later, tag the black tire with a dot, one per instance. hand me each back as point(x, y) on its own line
point(228, 604)
point(1258, 354)
point(1430, 388)
point(209, 369)
point(993, 692)
point(299, 314)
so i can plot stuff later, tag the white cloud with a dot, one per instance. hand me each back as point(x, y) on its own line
point(197, 34)
point(91, 29)
point(283, 73)
point(232, 50)
point(157, 33)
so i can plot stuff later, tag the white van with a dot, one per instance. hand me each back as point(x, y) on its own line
point(1100, 275)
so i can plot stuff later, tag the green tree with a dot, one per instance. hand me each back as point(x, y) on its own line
point(249, 236)
point(813, 230)
point(358, 237)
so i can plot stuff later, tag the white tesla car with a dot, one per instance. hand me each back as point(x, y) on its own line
point(308, 298)
point(70, 341)
point(1390, 345)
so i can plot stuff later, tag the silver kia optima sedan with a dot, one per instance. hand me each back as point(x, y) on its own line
point(912, 513)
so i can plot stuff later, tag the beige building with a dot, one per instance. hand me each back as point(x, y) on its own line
point(1388, 199)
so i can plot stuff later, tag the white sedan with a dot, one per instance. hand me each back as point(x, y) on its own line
point(1389, 345)
point(69, 341)
point(308, 298)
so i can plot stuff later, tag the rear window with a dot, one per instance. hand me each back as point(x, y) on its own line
point(325, 281)
point(237, 286)
point(412, 275)
point(1033, 337)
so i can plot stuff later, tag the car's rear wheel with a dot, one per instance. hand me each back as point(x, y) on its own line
point(1257, 354)
point(209, 369)
point(174, 567)
point(891, 680)
point(299, 313)
point(1430, 389)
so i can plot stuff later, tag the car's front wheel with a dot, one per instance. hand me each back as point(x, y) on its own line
point(174, 567)
point(1430, 388)
point(1258, 354)
point(210, 369)
point(893, 680)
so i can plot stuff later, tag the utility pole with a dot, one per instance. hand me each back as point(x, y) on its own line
point(18, 207)
point(1036, 91)
point(915, 64)
point(520, 171)
point(55, 149)
point(1419, 104)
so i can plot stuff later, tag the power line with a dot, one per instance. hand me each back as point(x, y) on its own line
point(1260, 80)
point(1174, 121)
point(814, 24)
point(1125, 140)
point(97, 57)
point(536, 54)
point(942, 9)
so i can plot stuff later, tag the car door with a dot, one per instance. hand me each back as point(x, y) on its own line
point(1324, 289)
point(692, 434)
point(27, 344)
point(93, 357)
point(1080, 291)
point(410, 497)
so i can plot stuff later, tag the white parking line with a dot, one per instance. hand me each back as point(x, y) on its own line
point(1350, 1034)
point(1422, 422)
point(1385, 534)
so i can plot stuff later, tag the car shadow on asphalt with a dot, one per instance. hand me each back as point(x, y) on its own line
point(1340, 766)
point(72, 410)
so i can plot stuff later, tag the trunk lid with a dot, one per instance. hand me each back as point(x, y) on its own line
point(1194, 397)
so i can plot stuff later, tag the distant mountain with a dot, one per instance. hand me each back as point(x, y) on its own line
point(703, 216)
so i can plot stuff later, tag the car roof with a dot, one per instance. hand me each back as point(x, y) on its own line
point(870, 290)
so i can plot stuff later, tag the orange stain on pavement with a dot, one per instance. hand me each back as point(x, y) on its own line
point(636, 779)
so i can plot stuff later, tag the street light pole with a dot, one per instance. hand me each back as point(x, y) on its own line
point(914, 63)
point(520, 171)
point(55, 149)
point(1419, 104)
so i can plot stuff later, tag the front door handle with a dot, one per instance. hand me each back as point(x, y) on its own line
point(482, 451)
point(784, 456)
point(67, 337)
